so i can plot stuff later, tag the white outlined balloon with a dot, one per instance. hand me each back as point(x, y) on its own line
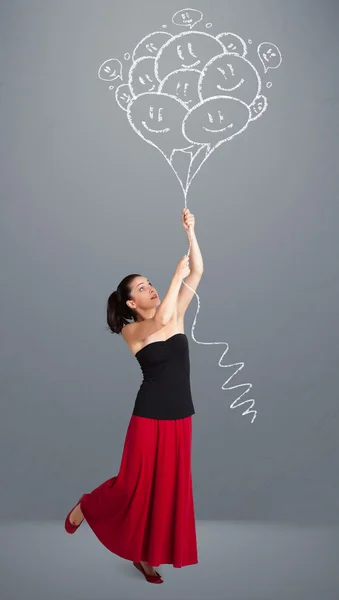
point(110, 70)
point(141, 77)
point(187, 50)
point(215, 121)
point(187, 17)
point(229, 75)
point(233, 43)
point(150, 44)
point(258, 107)
point(269, 55)
point(123, 95)
point(183, 84)
point(157, 119)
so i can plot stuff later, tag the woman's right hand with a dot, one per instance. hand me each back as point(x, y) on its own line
point(182, 268)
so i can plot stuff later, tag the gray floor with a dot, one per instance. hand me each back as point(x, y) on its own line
point(237, 561)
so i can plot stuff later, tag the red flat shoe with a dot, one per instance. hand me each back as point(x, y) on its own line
point(70, 528)
point(150, 578)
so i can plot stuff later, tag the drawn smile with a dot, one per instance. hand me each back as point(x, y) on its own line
point(231, 89)
point(190, 66)
point(155, 130)
point(218, 130)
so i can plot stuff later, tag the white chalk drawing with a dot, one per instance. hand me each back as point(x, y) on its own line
point(187, 95)
point(127, 56)
point(208, 25)
point(150, 44)
point(269, 55)
point(110, 70)
point(187, 17)
point(233, 43)
point(123, 95)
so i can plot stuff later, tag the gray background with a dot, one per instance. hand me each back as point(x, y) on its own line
point(85, 201)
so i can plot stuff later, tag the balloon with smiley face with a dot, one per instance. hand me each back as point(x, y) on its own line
point(229, 75)
point(213, 122)
point(157, 118)
point(150, 44)
point(183, 84)
point(187, 50)
point(141, 77)
point(123, 95)
point(216, 120)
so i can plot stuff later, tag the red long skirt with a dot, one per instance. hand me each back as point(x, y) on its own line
point(146, 512)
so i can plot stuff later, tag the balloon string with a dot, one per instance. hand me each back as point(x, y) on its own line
point(239, 366)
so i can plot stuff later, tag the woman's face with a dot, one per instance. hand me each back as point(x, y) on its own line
point(144, 294)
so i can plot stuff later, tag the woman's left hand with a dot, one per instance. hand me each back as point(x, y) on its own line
point(188, 220)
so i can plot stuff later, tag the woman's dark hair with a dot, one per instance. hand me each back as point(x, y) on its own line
point(118, 313)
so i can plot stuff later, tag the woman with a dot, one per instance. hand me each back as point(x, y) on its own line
point(146, 513)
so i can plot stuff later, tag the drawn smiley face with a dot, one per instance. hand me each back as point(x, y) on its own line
point(188, 50)
point(229, 75)
point(183, 85)
point(142, 77)
point(157, 118)
point(216, 120)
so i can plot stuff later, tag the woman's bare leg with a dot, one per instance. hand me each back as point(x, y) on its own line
point(76, 515)
point(148, 569)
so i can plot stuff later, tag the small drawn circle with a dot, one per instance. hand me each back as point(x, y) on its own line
point(208, 25)
point(127, 56)
point(269, 84)
point(164, 26)
point(111, 87)
point(250, 41)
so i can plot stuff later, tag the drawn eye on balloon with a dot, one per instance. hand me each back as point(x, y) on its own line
point(123, 95)
point(110, 70)
point(187, 17)
point(187, 94)
point(229, 75)
point(215, 120)
point(233, 43)
point(142, 78)
point(187, 50)
point(258, 107)
point(150, 44)
point(157, 118)
point(269, 55)
point(183, 84)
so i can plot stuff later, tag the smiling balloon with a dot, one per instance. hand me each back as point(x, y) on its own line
point(188, 50)
point(183, 84)
point(229, 75)
point(157, 118)
point(141, 78)
point(216, 120)
point(123, 95)
point(150, 44)
point(233, 43)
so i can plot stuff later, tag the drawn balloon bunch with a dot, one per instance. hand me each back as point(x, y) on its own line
point(187, 94)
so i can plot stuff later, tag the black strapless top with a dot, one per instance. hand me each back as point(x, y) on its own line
point(165, 392)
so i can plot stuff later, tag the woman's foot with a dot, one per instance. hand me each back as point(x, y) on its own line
point(148, 569)
point(76, 515)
